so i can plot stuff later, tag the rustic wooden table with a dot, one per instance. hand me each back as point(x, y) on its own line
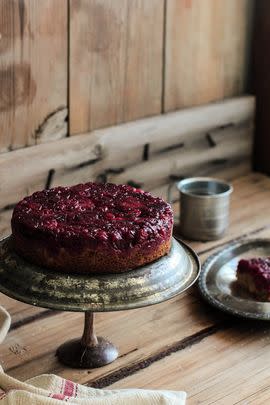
point(182, 344)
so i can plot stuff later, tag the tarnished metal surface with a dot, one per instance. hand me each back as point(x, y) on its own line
point(218, 285)
point(204, 207)
point(151, 284)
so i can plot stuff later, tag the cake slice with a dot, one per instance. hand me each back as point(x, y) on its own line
point(254, 275)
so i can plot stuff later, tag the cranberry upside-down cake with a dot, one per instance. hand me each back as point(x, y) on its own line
point(92, 228)
point(254, 276)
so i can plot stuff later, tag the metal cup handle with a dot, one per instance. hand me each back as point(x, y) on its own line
point(172, 184)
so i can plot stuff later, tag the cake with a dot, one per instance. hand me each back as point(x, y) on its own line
point(254, 276)
point(92, 228)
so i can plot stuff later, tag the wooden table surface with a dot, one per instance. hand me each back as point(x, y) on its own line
point(182, 344)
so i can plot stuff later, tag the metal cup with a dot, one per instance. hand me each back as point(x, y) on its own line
point(204, 207)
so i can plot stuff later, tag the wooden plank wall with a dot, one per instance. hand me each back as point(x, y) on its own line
point(154, 56)
point(74, 67)
point(115, 61)
point(33, 71)
point(207, 50)
point(110, 62)
point(216, 138)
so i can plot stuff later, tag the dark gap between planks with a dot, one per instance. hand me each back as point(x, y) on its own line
point(32, 318)
point(182, 344)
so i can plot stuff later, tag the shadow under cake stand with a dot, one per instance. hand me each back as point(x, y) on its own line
point(151, 284)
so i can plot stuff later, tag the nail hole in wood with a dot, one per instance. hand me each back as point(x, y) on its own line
point(219, 161)
point(86, 163)
point(8, 207)
point(117, 170)
point(102, 178)
point(49, 179)
point(146, 150)
point(172, 147)
point(134, 184)
point(210, 141)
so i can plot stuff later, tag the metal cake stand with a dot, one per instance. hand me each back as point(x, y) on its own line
point(148, 285)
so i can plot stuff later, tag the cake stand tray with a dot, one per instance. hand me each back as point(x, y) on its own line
point(148, 285)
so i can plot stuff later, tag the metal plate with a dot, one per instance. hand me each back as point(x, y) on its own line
point(151, 284)
point(217, 281)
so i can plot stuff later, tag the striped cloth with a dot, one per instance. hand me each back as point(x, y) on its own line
point(48, 389)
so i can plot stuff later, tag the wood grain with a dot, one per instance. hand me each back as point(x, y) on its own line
point(116, 70)
point(211, 372)
point(85, 157)
point(207, 51)
point(229, 171)
point(230, 145)
point(33, 68)
point(20, 313)
point(171, 322)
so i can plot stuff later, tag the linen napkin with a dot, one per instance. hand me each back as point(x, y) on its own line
point(49, 389)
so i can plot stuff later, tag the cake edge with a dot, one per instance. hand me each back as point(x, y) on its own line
point(89, 261)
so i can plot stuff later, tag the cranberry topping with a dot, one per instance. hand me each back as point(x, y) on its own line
point(258, 268)
point(116, 215)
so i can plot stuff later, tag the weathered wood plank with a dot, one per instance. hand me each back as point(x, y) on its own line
point(33, 69)
point(207, 51)
point(203, 367)
point(21, 313)
point(158, 328)
point(54, 127)
point(12, 306)
point(230, 170)
point(229, 367)
point(84, 157)
point(230, 145)
point(171, 322)
point(116, 72)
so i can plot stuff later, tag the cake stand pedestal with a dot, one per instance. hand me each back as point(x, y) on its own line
point(151, 284)
point(90, 351)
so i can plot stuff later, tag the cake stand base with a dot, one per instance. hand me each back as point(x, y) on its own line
point(74, 354)
point(88, 352)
